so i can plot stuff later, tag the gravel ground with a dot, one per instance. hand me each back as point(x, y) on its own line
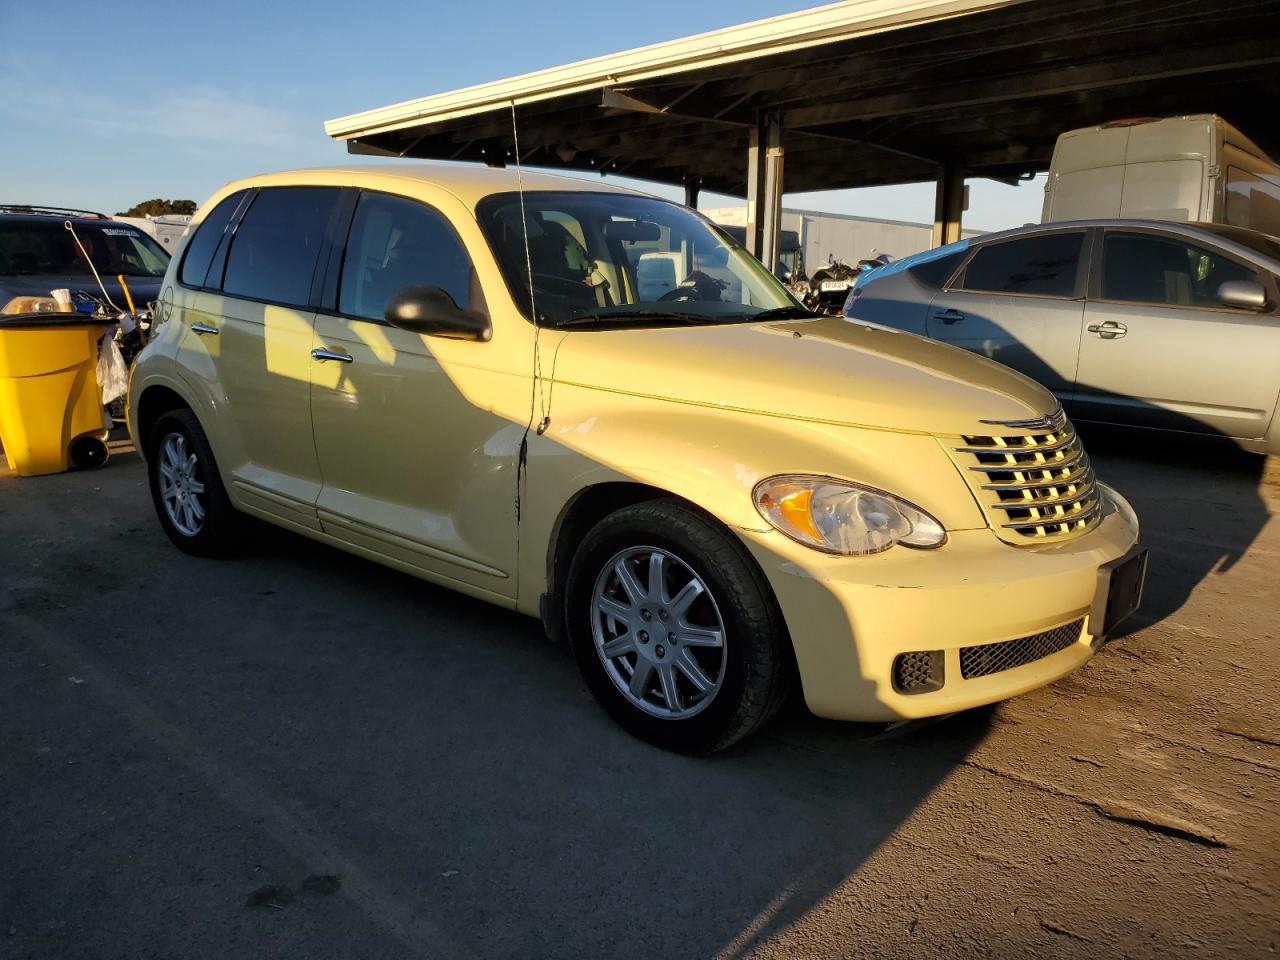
point(301, 754)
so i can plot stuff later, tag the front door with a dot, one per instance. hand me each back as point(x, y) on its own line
point(1160, 350)
point(417, 467)
point(1019, 302)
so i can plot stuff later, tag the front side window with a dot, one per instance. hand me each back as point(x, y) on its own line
point(1144, 268)
point(47, 248)
point(1042, 266)
point(274, 253)
point(616, 258)
point(396, 243)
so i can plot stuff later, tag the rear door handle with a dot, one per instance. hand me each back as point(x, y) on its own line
point(323, 355)
point(1108, 329)
point(949, 316)
point(203, 328)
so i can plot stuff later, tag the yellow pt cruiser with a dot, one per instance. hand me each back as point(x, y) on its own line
point(590, 405)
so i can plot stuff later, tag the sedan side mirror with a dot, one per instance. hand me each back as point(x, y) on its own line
point(1245, 294)
point(431, 311)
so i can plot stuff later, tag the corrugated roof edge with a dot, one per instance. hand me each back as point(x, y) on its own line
point(792, 31)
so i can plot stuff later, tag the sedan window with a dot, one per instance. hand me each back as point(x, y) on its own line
point(1144, 268)
point(1043, 266)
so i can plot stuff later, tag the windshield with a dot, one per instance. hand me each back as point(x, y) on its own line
point(1258, 242)
point(614, 257)
point(47, 247)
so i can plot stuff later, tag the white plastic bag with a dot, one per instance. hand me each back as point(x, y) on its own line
point(113, 372)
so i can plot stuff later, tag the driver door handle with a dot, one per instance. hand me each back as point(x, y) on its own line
point(1108, 329)
point(949, 316)
point(323, 355)
point(203, 328)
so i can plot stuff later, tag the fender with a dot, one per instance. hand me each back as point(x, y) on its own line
point(713, 458)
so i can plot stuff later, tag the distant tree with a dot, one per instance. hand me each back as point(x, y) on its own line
point(157, 208)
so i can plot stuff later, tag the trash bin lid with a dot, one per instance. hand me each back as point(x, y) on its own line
point(45, 321)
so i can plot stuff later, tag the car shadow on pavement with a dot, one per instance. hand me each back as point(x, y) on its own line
point(454, 751)
point(1198, 502)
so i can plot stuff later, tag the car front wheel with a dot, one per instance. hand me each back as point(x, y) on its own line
point(675, 629)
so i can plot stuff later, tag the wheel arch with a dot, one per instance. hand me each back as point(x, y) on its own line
point(582, 512)
point(154, 402)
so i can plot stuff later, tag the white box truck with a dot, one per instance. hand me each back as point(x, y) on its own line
point(1191, 168)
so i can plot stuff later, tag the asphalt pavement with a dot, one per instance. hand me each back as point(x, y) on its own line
point(297, 753)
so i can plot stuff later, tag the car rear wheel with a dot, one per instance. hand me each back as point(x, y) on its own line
point(186, 488)
point(675, 629)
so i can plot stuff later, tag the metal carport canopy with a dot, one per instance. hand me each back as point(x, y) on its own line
point(860, 93)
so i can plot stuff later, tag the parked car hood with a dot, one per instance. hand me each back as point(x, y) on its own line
point(830, 369)
point(144, 289)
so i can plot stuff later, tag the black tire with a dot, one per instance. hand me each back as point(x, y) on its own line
point(758, 666)
point(88, 453)
point(222, 525)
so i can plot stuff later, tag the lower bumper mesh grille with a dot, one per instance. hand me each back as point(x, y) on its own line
point(919, 671)
point(993, 657)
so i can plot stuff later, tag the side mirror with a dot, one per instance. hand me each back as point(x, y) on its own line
point(431, 311)
point(1245, 294)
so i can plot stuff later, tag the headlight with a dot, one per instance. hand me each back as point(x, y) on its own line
point(842, 517)
point(31, 305)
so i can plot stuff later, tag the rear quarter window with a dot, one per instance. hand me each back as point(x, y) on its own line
point(934, 273)
point(200, 249)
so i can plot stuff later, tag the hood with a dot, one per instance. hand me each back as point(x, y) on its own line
point(831, 370)
point(144, 289)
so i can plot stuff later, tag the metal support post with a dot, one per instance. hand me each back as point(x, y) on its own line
point(950, 202)
point(764, 188)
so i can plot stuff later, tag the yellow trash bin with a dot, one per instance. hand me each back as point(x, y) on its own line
point(50, 402)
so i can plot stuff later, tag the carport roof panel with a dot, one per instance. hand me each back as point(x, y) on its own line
point(869, 92)
point(760, 38)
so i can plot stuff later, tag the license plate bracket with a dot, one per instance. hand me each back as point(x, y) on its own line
point(1120, 585)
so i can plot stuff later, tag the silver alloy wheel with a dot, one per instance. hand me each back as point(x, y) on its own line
point(658, 632)
point(181, 489)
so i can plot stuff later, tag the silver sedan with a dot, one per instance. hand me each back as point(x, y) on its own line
point(1141, 323)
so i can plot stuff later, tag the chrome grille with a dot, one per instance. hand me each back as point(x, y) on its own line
point(995, 657)
point(1032, 477)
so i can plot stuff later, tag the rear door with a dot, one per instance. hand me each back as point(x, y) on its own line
point(1160, 350)
point(1019, 302)
point(260, 349)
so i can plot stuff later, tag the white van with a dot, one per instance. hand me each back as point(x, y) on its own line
point(1192, 168)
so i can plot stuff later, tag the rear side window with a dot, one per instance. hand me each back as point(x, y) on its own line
point(396, 243)
point(200, 250)
point(934, 273)
point(1043, 266)
point(277, 244)
point(1143, 268)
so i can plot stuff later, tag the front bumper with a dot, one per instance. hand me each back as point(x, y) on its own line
point(849, 617)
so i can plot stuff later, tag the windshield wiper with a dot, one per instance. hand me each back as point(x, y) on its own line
point(588, 318)
point(785, 313)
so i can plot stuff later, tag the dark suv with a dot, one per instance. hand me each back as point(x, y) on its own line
point(39, 254)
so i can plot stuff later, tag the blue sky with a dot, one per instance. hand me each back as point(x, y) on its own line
point(106, 104)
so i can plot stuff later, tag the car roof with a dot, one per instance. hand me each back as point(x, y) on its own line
point(469, 182)
point(48, 217)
